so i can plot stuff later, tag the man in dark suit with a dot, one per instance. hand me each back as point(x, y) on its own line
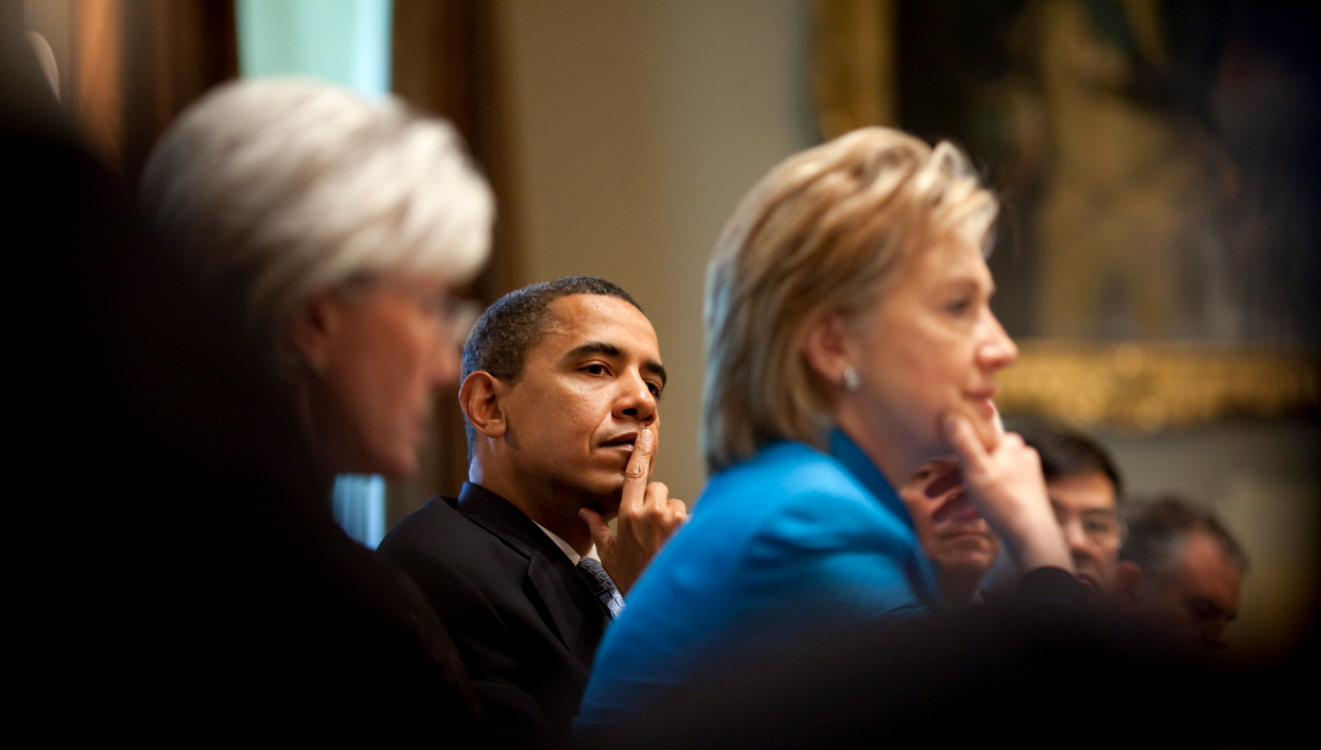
point(560, 390)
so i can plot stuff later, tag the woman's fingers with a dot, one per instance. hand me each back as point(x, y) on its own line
point(965, 441)
point(1006, 485)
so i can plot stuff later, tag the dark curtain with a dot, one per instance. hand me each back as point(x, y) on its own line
point(138, 64)
point(446, 61)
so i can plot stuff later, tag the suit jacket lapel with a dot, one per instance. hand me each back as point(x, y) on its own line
point(567, 605)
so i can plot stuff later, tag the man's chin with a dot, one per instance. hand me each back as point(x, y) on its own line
point(968, 560)
point(1094, 593)
point(970, 543)
point(605, 502)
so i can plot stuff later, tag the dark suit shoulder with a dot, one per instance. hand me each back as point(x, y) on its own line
point(504, 598)
point(440, 526)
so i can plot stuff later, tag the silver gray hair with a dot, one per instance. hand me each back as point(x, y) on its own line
point(284, 188)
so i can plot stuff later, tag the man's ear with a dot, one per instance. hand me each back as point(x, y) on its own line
point(827, 347)
point(480, 399)
point(314, 327)
point(1129, 580)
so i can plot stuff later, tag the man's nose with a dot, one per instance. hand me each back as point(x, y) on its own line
point(636, 400)
point(1078, 543)
point(957, 508)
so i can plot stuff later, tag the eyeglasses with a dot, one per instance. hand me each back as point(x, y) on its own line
point(454, 316)
point(1098, 526)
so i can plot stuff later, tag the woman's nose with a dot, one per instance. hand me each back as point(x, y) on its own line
point(998, 351)
point(444, 365)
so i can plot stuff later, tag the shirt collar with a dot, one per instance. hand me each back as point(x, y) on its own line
point(574, 557)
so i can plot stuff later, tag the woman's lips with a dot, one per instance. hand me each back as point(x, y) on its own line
point(984, 403)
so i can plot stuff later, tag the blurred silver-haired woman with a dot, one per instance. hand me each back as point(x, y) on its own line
point(334, 228)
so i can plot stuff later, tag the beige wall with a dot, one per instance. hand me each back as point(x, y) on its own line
point(637, 126)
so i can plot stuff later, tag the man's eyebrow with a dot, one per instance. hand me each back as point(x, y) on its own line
point(657, 369)
point(610, 350)
point(593, 347)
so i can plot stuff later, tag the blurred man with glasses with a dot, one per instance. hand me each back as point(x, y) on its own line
point(1085, 490)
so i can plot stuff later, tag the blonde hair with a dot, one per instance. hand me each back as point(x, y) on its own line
point(826, 230)
point(278, 189)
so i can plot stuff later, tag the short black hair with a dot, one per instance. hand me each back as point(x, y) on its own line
point(1067, 454)
point(1158, 529)
point(514, 324)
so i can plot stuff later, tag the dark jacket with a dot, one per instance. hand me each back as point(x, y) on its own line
point(525, 620)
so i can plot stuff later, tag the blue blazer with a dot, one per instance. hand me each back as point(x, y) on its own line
point(786, 541)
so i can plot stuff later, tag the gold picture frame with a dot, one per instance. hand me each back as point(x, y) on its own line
point(1127, 386)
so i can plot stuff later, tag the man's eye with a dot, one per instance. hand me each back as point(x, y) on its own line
point(655, 389)
point(1099, 526)
point(595, 369)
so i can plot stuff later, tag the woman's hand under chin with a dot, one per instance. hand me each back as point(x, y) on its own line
point(1004, 480)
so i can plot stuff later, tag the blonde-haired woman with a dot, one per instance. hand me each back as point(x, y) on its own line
point(849, 340)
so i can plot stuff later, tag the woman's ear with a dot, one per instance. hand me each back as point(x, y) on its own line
point(479, 398)
point(827, 347)
point(313, 332)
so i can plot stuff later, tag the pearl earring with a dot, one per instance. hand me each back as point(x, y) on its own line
point(851, 381)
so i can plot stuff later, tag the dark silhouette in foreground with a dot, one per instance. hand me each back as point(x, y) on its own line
point(1037, 677)
point(188, 578)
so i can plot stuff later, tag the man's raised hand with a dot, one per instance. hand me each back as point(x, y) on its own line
point(647, 518)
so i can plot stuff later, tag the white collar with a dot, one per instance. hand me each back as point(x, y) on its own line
point(574, 557)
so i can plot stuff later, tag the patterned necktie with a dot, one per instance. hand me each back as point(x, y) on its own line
point(602, 586)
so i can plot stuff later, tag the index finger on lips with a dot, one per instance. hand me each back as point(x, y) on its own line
point(638, 470)
point(639, 463)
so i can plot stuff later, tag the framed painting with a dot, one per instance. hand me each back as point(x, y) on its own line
point(1159, 168)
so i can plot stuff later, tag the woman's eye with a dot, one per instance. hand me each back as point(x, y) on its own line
point(959, 306)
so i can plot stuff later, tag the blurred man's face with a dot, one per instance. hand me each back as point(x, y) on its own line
point(1201, 597)
point(1084, 505)
point(953, 534)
